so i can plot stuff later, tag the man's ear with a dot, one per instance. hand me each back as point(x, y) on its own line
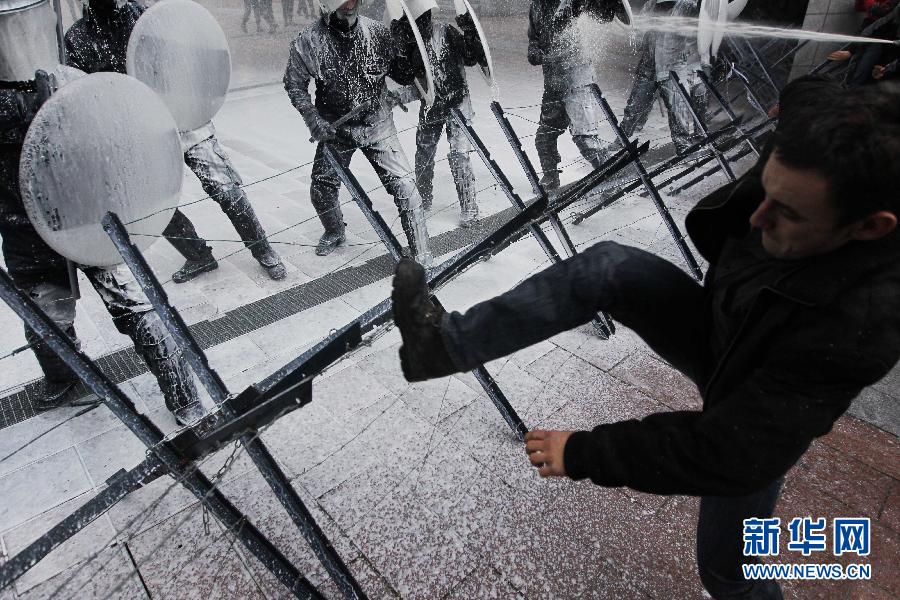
point(875, 226)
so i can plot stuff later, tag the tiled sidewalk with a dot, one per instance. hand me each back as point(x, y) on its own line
point(426, 494)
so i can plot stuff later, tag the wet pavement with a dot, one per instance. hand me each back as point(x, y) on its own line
point(422, 488)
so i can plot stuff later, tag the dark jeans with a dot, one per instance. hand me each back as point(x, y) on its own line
point(720, 544)
point(662, 304)
point(860, 70)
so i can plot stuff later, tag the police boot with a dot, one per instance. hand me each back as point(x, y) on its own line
point(465, 189)
point(325, 201)
point(189, 414)
point(164, 359)
point(199, 257)
point(237, 208)
point(54, 393)
point(423, 354)
point(417, 236)
point(334, 234)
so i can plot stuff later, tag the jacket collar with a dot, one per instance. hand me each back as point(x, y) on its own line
point(821, 278)
point(817, 280)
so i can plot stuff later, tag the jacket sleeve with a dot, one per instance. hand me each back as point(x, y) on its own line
point(760, 429)
point(406, 61)
point(296, 81)
point(534, 24)
point(74, 56)
point(468, 44)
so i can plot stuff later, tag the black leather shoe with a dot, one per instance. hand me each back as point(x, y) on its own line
point(54, 393)
point(271, 262)
point(189, 414)
point(550, 181)
point(330, 241)
point(192, 268)
point(423, 354)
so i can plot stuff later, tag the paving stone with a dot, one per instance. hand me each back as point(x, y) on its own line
point(434, 400)
point(384, 366)
point(146, 507)
point(859, 486)
point(253, 497)
point(110, 575)
point(879, 406)
point(485, 582)
point(548, 365)
point(890, 513)
point(884, 558)
point(411, 548)
point(659, 381)
point(240, 351)
point(305, 437)
point(865, 443)
point(76, 549)
point(178, 558)
point(385, 433)
point(349, 391)
point(50, 432)
point(105, 454)
point(603, 354)
point(40, 486)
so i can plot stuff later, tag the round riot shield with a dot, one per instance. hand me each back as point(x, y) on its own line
point(104, 142)
point(178, 49)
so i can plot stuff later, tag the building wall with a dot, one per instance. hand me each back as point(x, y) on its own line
point(833, 16)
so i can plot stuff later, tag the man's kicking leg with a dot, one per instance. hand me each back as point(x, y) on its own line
point(644, 292)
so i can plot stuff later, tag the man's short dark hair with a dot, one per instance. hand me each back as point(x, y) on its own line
point(852, 137)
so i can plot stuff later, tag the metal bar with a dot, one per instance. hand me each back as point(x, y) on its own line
point(800, 44)
point(365, 204)
point(707, 173)
point(60, 33)
point(256, 449)
point(656, 170)
point(601, 321)
point(755, 100)
point(648, 185)
point(825, 63)
point(576, 191)
point(698, 121)
point(762, 65)
point(501, 179)
point(152, 437)
point(390, 241)
point(727, 108)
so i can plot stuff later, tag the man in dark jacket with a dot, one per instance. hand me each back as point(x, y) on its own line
point(98, 42)
point(799, 311)
point(881, 23)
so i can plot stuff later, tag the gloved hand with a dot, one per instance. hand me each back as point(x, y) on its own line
point(535, 56)
point(320, 129)
point(30, 102)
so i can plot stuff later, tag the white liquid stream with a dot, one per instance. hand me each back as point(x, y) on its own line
point(688, 26)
